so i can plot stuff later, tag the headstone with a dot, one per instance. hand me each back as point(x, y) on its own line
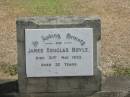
point(58, 56)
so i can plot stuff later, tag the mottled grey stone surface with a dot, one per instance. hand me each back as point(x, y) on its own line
point(110, 94)
point(57, 86)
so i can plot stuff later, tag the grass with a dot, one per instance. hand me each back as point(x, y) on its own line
point(121, 70)
point(47, 7)
point(9, 69)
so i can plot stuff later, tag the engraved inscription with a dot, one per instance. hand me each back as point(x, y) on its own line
point(59, 52)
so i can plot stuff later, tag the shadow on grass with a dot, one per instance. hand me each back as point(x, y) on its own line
point(9, 89)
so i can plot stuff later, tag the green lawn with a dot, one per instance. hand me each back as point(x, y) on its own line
point(47, 7)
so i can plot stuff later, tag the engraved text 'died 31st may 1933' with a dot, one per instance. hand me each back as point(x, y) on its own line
point(59, 52)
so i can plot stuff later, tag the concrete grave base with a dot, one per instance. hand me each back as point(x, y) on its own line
point(10, 89)
point(58, 86)
point(97, 94)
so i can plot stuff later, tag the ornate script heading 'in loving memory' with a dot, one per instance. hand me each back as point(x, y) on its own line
point(59, 52)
